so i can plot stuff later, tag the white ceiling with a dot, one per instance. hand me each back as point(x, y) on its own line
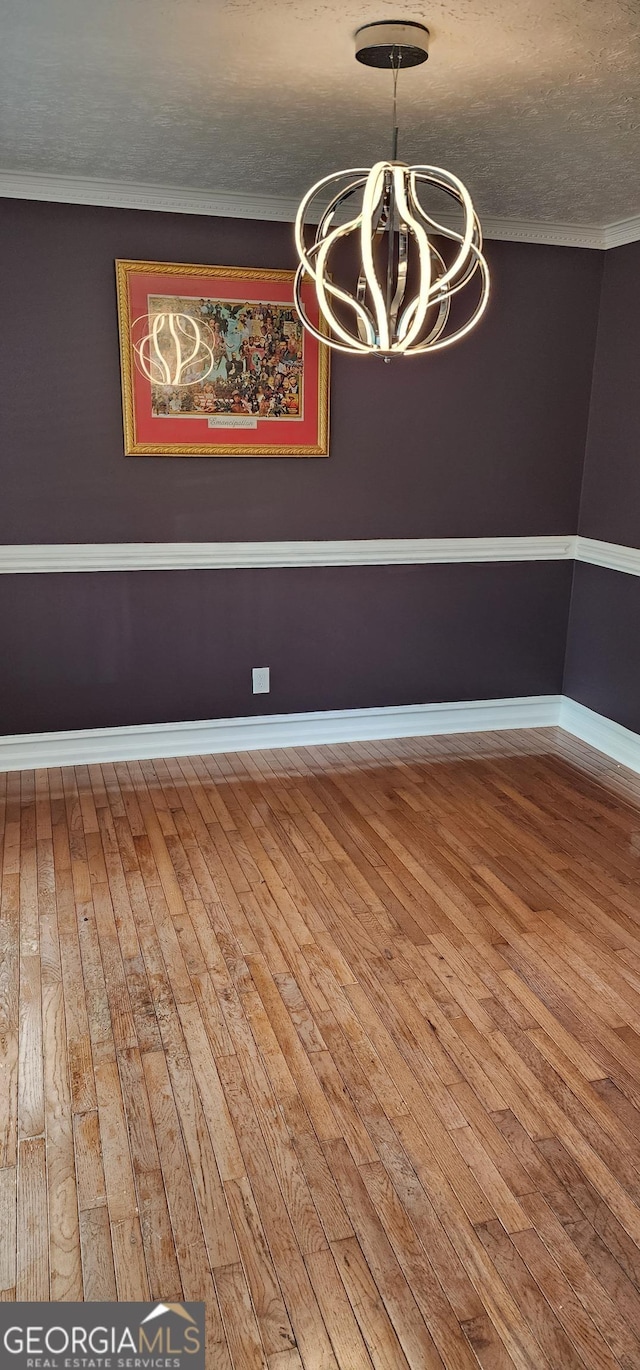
point(534, 103)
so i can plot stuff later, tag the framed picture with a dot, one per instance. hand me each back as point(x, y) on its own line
point(215, 362)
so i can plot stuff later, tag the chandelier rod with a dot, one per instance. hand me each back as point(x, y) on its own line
point(395, 58)
point(396, 63)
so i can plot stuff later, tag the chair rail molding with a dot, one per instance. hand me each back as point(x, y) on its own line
point(610, 554)
point(49, 558)
point(29, 559)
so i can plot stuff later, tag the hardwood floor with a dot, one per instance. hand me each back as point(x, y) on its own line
point(343, 1041)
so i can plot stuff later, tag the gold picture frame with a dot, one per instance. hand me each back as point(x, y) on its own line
point(281, 377)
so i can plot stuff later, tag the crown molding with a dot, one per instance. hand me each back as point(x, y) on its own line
point(32, 559)
point(624, 231)
point(84, 190)
point(539, 231)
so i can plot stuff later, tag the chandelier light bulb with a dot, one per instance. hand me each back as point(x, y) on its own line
point(174, 350)
point(401, 294)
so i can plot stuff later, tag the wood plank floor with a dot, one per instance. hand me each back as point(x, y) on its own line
point(343, 1041)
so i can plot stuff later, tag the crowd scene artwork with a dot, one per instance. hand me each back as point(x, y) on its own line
point(250, 362)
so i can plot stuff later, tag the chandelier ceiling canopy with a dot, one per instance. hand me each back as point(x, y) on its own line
point(399, 299)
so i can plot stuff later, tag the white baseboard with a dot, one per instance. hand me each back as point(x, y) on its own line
point(140, 742)
point(29, 751)
point(621, 744)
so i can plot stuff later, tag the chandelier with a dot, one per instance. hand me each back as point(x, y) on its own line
point(402, 300)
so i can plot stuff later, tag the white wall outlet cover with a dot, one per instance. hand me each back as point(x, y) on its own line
point(260, 678)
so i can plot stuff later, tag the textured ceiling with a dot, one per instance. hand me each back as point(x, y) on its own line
point(535, 103)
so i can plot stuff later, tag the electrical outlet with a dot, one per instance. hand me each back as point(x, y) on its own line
point(260, 677)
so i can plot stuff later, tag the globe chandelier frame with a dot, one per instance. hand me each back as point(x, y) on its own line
point(395, 237)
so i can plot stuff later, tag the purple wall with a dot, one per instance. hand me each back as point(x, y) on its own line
point(487, 438)
point(603, 648)
point(156, 646)
point(610, 507)
point(484, 439)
